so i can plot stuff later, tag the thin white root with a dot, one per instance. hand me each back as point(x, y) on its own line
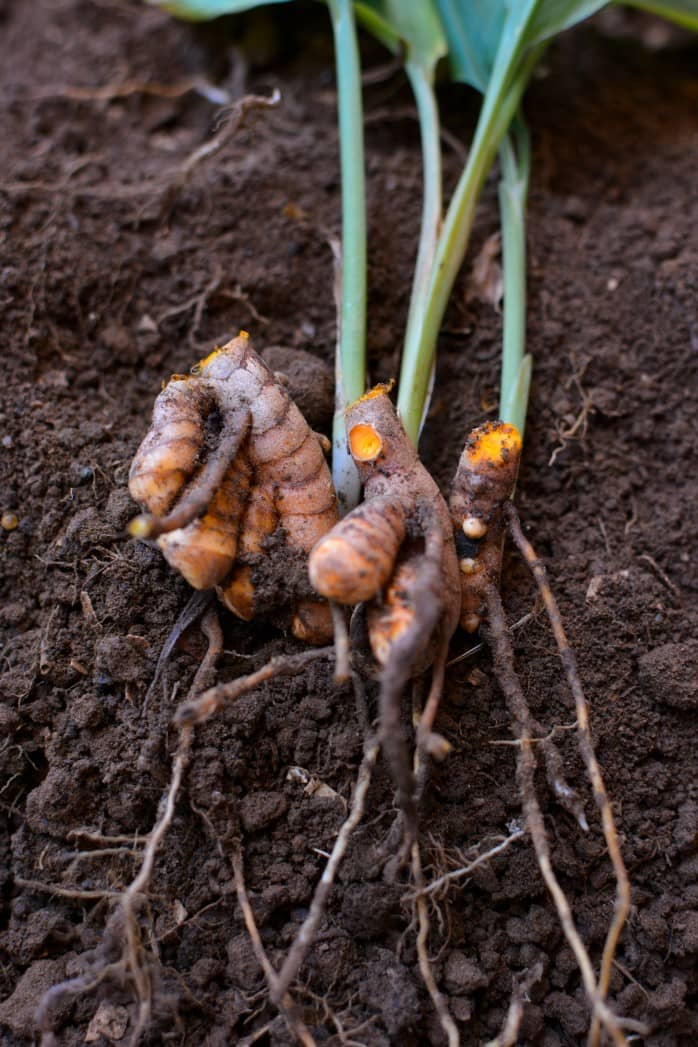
point(65, 892)
point(509, 1035)
point(134, 961)
point(198, 710)
point(304, 939)
point(622, 903)
point(342, 665)
point(286, 1003)
point(130, 900)
point(466, 870)
point(526, 766)
point(440, 1006)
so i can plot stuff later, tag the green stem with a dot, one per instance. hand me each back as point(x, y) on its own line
point(422, 83)
point(515, 163)
point(500, 104)
point(351, 341)
point(669, 10)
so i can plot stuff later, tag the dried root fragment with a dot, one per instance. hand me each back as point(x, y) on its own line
point(483, 482)
point(230, 462)
point(396, 552)
point(593, 769)
point(123, 929)
point(510, 684)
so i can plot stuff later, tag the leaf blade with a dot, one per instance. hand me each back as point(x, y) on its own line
point(554, 16)
point(683, 12)
point(473, 31)
point(414, 24)
point(204, 10)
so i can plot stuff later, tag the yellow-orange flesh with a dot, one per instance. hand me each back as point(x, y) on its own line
point(494, 444)
point(365, 443)
point(484, 481)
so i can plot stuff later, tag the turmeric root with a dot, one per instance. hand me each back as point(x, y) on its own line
point(228, 463)
point(396, 551)
point(259, 521)
point(204, 550)
point(357, 559)
point(484, 481)
point(389, 621)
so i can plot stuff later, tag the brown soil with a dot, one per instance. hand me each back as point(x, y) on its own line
point(109, 284)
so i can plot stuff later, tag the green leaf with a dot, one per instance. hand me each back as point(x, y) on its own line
point(413, 24)
point(554, 16)
point(488, 40)
point(375, 24)
point(203, 10)
point(473, 30)
point(494, 45)
point(480, 31)
point(683, 12)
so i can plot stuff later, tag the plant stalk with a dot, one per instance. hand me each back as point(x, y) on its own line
point(351, 337)
point(422, 84)
point(515, 164)
point(500, 103)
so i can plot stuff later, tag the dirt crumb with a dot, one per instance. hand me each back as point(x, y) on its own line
point(389, 988)
point(18, 1010)
point(669, 673)
point(260, 809)
point(462, 975)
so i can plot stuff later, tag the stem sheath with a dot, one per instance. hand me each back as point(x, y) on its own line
point(515, 164)
point(351, 341)
point(423, 88)
point(501, 102)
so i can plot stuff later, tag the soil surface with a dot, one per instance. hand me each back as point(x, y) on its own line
point(122, 265)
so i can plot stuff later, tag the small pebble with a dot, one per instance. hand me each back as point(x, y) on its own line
point(146, 325)
point(7, 441)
